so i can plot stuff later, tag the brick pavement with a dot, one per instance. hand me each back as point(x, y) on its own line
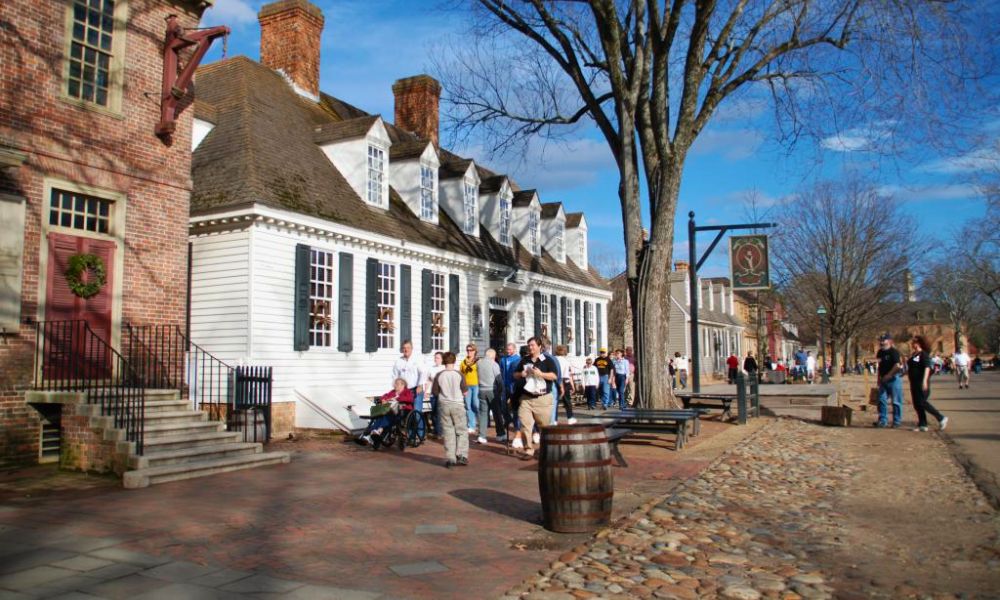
point(340, 521)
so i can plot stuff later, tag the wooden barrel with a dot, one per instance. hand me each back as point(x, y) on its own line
point(574, 478)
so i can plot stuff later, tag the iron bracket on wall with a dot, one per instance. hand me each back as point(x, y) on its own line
point(176, 84)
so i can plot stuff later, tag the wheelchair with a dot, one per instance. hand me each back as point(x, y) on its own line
point(408, 428)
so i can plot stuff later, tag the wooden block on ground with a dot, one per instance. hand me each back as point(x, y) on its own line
point(838, 416)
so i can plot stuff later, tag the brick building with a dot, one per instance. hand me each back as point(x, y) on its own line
point(83, 174)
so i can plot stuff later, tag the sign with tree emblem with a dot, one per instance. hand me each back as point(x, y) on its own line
point(749, 262)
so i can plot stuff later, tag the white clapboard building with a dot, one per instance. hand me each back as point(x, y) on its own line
point(323, 236)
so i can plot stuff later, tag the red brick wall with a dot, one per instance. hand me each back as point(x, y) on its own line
point(417, 100)
point(119, 153)
point(290, 32)
point(83, 447)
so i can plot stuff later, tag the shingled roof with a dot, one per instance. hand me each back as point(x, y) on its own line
point(522, 198)
point(550, 209)
point(262, 151)
point(574, 219)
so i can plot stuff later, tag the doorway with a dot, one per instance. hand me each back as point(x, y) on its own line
point(498, 330)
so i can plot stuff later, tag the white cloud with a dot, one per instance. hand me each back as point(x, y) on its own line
point(983, 159)
point(932, 192)
point(859, 138)
point(231, 12)
point(731, 144)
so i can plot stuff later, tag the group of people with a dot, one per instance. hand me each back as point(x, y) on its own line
point(918, 368)
point(519, 389)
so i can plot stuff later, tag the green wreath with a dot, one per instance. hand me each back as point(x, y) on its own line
point(92, 264)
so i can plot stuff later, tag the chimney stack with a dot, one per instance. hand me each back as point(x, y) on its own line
point(290, 33)
point(417, 105)
point(680, 266)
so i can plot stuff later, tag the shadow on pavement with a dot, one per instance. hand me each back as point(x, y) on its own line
point(501, 503)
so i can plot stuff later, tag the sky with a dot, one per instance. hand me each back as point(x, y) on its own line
point(369, 44)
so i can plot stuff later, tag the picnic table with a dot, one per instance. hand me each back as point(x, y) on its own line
point(672, 421)
point(709, 401)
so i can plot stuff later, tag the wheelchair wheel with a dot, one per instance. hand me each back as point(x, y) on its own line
point(416, 429)
point(400, 437)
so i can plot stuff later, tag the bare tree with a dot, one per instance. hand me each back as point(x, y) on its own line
point(954, 287)
point(649, 75)
point(843, 246)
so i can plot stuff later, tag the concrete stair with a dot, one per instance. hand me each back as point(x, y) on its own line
point(181, 443)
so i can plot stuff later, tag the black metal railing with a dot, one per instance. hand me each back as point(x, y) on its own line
point(71, 357)
point(166, 358)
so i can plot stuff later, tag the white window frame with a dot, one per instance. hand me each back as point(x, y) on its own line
point(559, 242)
point(115, 62)
point(428, 192)
point(470, 197)
point(568, 325)
point(545, 322)
point(81, 212)
point(322, 288)
point(506, 209)
point(582, 240)
point(534, 219)
point(388, 294)
point(376, 178)
point(439, 310)
point(521, 326)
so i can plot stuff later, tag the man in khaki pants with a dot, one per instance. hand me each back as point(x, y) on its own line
point(538, 373)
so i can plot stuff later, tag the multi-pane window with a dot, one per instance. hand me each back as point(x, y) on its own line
point(558, 242)
point(376, 175)
point(543, 324)
point(79, 211)
point(321, 298)
point(521, 329)
point(568, 325)
point(533, 232)
point(505, 209)
point(437, 311)
point(386, 305)
point(582, 240)
point(428, 202)
point(469, 202)
point(91, 51)
point(588, 327)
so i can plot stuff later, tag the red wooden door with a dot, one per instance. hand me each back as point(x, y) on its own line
point(81, 357)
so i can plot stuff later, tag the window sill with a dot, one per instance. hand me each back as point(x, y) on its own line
point(90, 106)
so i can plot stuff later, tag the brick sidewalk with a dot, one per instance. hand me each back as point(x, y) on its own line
point(350, 522)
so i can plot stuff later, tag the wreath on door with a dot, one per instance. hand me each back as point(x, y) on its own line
point(97, 275)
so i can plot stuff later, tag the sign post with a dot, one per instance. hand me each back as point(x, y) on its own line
point(749, 263)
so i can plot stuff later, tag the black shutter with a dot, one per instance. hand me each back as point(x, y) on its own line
point(371, 305)
point(597, 311)
point(538, 314)
point(453, 316)
point(579, 328)
point(553, 321)
point(300, 330)
point(563, 325)
point(586, 327)
point(426, 342)
point(405, 329)
point(345, 319)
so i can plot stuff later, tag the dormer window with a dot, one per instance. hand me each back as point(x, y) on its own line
point(505, 210)
point(377, 189)
point(469, 207)
point(533, 218)
point(558, 242)
point(582, 239)
point(428, 193)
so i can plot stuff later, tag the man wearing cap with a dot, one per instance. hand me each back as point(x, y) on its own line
point(890, 383)
point(604, 366)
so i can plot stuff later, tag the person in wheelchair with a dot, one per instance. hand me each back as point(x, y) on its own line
point(379, 426)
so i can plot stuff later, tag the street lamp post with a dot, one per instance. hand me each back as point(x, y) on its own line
point(821, 311)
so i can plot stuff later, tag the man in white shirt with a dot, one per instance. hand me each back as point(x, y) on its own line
point(411, 369)
point(681, 364)
point(961, 361)
point(810, 367)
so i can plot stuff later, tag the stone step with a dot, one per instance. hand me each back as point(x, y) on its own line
point(173, 456)
point(175, 416)
point(155, 406)
point(190, 440)
point(154, 475)
point(158, 394)
point(153, 431)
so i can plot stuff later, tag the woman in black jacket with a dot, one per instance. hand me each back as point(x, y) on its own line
point(918, 370)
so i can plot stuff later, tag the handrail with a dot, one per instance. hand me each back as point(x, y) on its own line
point(70, 356)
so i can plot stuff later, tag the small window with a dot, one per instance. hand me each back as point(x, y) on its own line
point(376, 176)
point(568, 331)
point(521, 328)
point(588, 328)
point(558, 242)
point(469, 202)
point(543, 324)
point(505, 209)
point(533, 232)
point(91, 51)
point(79, 211)
point(321, 299)
point(582, 240)
point(437, 311)
point(386, 305)
point(428, 196)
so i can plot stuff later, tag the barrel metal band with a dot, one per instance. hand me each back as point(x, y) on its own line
point(577, 465)
point(575, 442)
point(571, 497)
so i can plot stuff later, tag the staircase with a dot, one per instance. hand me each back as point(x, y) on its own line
point(181, 443)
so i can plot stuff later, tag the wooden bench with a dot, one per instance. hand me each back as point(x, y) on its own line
point(615, 435)
point(709, 401)
point(689, 414)
point(675, 422)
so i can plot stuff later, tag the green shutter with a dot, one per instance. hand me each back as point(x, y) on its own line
point(453, 313)
point(553, 322)
point(562, 322)
point(300, 329)
point(579, 328)
point(426, 341)
point(586, 327)
point(538, 313)
point(405, 316)
point(597, 311)
point(345, 319)
point(371, 305)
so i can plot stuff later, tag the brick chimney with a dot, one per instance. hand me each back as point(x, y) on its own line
point(290, 39)
point(680, 266)
point(417, 105)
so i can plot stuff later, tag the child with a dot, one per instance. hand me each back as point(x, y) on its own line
point(450, 388)
point(590, 380)
point(401, 395)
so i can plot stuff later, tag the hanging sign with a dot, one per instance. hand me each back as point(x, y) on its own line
point(749, 262)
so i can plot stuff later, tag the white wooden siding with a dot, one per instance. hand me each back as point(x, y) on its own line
point(220, 293)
